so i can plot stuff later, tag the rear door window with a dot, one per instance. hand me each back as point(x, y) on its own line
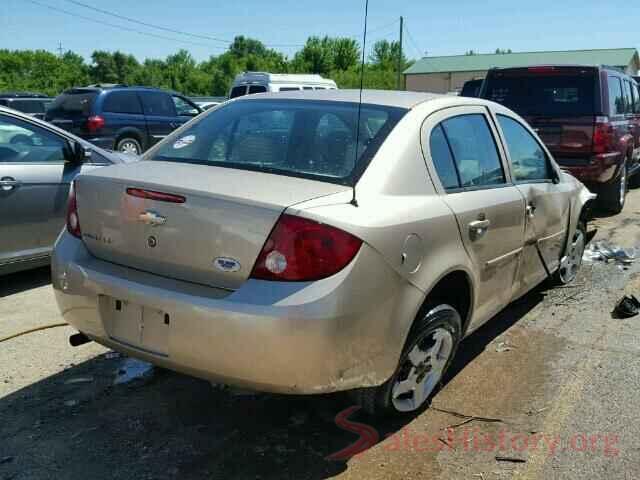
point(616, 99)
point(474, 151)
point(529, 161)
point(289, 89)
point(443, 159)
point(122, 102)
point(158, 104)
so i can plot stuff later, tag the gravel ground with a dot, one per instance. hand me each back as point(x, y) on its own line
point(554, 378)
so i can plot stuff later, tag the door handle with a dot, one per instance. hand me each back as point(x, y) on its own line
point(8, 183)
point(478, 228)
point(531, 210)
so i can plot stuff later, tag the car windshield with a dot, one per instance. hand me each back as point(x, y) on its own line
point(549, 94)
point(310, 139)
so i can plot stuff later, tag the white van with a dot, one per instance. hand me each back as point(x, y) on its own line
point(260, 82)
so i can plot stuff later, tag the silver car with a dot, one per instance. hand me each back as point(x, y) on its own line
point(306, 243)
point(37, 164)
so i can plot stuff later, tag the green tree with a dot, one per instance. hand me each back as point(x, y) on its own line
point(384, 55)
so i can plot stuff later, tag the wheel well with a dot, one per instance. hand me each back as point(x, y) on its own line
point(455, 290)
point(129, 134)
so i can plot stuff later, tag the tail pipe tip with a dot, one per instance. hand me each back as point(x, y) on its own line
point(78, 339)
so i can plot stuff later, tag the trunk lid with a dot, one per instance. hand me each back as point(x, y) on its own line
point(213, 238)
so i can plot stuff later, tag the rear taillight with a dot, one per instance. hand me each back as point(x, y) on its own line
point(73, 221)
point(95, 123)
point(300, 250)
point(602, 135)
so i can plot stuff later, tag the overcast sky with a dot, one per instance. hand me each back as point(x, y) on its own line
point(439, 28)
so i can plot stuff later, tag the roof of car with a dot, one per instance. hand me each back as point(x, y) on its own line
point(388, 98)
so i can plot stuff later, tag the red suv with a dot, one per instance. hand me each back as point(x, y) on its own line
point(589, 118)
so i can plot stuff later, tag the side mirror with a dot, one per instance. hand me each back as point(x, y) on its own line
point(76, 153)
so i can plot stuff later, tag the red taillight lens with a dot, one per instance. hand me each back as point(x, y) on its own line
point(73, 221)
point(153, 195)
point(602, 136)
point(95, 123)
point(300, 250)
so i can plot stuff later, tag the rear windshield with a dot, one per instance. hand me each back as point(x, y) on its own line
point(309, 139)
point(551, 94)
point(73, 103)
point(28, 106)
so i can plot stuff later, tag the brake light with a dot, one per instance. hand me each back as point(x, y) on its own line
point(73, 221)
point(602, 135)
point(153, 195)
point(95, 123)
point(300, 250)
point(542, 69)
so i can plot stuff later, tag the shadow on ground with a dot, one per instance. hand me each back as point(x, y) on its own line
point(23, 281)
point(173, 426)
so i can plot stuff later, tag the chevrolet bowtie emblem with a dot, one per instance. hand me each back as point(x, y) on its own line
point(152, 218)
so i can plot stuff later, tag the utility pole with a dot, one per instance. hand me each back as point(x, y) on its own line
point(399, 86)
point(60, 49)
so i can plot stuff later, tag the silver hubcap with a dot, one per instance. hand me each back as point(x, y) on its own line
point(623, 184)
point(573, 260)
point(130, 148)
point(422, 370)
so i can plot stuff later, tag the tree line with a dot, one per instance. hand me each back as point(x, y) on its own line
point(337, 58)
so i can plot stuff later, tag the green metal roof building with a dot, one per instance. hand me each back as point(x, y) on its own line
point(448, 74)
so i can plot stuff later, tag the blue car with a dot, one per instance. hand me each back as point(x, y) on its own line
point(121, 118)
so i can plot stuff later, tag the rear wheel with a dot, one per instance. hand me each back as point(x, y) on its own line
point(613, 195)
point(428, 352)
point(130, 146)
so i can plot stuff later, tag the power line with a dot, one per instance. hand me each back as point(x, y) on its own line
point(414, 44)
point(166, 29)
point(120, 27)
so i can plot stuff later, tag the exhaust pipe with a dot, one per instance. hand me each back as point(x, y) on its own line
point(78, 339)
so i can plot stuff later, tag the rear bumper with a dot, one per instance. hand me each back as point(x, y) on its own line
point(599, 169)
point(335, 334)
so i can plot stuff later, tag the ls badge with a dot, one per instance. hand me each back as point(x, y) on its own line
point(228, 265)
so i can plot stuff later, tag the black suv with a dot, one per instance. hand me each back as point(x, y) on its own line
point(119, 117)
point(34, 104)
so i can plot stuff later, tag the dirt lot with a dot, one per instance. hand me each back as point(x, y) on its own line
point(555, 378)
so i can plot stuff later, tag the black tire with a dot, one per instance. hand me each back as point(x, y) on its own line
point(612, 196)
point(434, 317)
point(128, 145)
point(566, 273)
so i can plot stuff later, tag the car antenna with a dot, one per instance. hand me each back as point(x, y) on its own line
point(354, 201)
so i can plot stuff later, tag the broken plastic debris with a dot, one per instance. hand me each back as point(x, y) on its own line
point(604, 252)
point(627, 307)
point(131, 369)
point(75, 380)
point(504, 347)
